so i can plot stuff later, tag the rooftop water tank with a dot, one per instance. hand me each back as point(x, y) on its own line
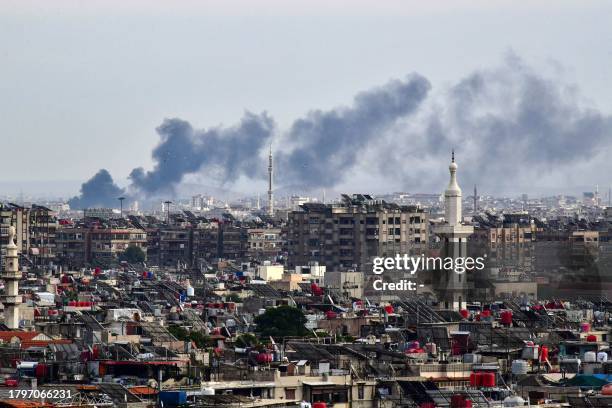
point(514, 401)
point(602, 357)
point(519, 367)
point(590, 357)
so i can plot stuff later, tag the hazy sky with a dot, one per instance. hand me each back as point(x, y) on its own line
point(84, 84)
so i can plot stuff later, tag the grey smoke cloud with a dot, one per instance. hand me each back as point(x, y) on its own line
point(327, 143)
point(231, 152)
point(98, 191)
point(509, 126)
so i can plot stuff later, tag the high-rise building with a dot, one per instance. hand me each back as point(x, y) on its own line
point(35, 233)
point(351, 233)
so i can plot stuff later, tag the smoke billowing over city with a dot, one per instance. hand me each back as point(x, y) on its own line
point(222, 153)
point(488, 115)
point(98, 191)
point(306, 204)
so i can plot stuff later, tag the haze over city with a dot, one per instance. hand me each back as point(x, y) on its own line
point(177, 99)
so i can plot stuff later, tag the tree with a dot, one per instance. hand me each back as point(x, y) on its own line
point(233, 297)
point(283, 321)
point(134, 254)
point(200, 339)
point(246, 340)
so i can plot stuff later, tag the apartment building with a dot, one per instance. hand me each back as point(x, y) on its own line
point(264, 242)
point(36, 229)
point(350, 234)
point(82, 244)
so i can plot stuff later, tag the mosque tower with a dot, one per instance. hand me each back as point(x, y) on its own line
point(450, 286)
point(11, 276)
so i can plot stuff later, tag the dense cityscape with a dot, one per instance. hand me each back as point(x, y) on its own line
point(274, 303)
point(305, 204)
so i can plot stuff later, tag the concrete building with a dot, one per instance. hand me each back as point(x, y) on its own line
point(101, 213)
point(270, 272)
point(36, 229)
point(347, 283)
point(109, 243)
point(264, 242)
point(78, 245)
point(350, 234)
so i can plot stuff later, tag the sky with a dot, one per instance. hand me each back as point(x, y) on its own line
point(85, 84)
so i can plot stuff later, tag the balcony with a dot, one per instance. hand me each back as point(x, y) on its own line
point(11, 275)
point(8, 300)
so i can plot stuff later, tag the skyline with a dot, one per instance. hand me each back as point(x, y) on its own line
point(94, 93)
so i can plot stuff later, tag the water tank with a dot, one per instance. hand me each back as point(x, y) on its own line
point(519, 367)
point(506, 317)
point(585, 327)
point(190, 291)
point(319, 405)
point(475, 380)
point(591, 338)
point(471, 358)
point(590, 357)
point(602, 357)
point(431, 348)
point(544, 353)
point(530, 353)
point(488, 380)
point(264, 358)
point(208, 391)
point(330, 315)
point(514, 401)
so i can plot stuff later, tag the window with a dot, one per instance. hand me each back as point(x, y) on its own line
point(290, 393)
point(360, 391)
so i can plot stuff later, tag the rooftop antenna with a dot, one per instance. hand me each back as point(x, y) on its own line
point(270, 189)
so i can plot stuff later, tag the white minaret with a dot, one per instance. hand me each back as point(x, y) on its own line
point(452, 196)
point(450, 286)
point(11, 277)
point(270, 191)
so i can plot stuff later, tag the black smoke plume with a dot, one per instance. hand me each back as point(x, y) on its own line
point(98, 191)
point(229, 152)
point(510, 127)
point(325, 144)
